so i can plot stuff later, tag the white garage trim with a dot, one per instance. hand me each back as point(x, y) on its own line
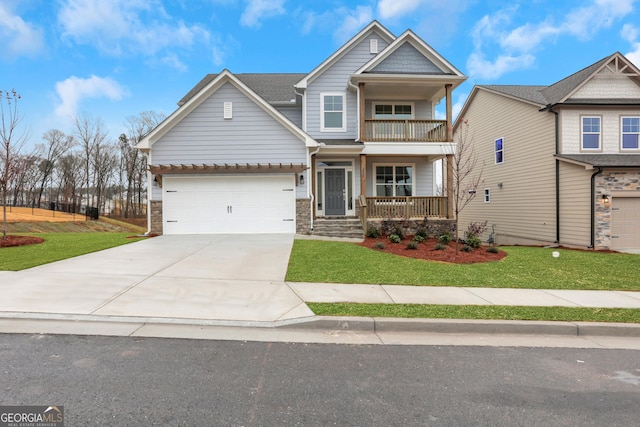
point(221, 204)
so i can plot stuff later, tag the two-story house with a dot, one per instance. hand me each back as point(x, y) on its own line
point(265, 153)
point(560, 164)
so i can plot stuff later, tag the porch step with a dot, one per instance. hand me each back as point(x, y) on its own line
point(338, 227)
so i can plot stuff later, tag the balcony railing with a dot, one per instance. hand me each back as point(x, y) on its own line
point(406, 207)
point(405, 130)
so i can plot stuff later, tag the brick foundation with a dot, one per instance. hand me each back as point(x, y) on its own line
point(156, 217)
point(303, 216)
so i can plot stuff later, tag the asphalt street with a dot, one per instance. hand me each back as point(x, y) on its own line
point(123, 381)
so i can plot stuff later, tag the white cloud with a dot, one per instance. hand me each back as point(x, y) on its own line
point(516, 47)
point(258, 10)
point(74, 90)
point(18, 37)
point(126, 26)
point(354, 21)
point(632, 34)
point(173, 61)
point(389, 9)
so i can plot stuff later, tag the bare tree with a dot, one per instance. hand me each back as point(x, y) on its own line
point(90, 134)
point(465, 174)
point(56, 144)
point(11, 140)
point(70, 181)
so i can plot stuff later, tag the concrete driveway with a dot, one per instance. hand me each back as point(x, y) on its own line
point(208, 277)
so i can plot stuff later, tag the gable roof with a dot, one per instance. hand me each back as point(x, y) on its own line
point(561, 91)
point(207, 90)
point(275, 88)
point(374, 26)
point(409, 37)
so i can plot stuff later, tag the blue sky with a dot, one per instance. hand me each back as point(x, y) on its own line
point(112, 59)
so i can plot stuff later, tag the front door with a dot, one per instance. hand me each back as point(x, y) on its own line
point(335, 192)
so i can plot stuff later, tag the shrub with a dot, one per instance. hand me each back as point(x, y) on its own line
point(473, 241)
point(418, 238)
point(399, 232)
point(422, 232)
point(492, 250)
point(412, 245)
point(444, 238)
point(379, 245)
point(440, 247)
point(395, 238)
point(466, 248)
point(373, 232)
point(476, 228)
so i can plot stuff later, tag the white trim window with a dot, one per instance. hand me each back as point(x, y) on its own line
point(333, 112)
point(630, 133)
point(394, 180)
point(499, 149)
point(487, 195)
point(591, 130)
point(393, 111)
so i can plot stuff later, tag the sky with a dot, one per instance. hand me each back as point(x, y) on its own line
point(112, 59)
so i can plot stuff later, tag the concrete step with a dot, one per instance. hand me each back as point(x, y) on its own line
point(338, 227)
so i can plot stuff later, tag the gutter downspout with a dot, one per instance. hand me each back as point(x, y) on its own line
point(549, 108)
point(593, 207)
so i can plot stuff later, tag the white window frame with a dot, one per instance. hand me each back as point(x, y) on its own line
point(583, 133)
point(344, 112)
point(496, 151)
point(394, 165)
point(623, 133)
point(487, 195)
point(393, 109)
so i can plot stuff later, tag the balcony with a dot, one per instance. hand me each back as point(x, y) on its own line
point(405, 131)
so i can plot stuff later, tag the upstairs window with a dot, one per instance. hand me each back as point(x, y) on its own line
point(591, 133)
point(393, 111)
point(499, 149)
point(630, 133)
point(333, 112)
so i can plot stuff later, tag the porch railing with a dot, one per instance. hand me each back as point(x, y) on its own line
point(405, 130)
point(406, 207)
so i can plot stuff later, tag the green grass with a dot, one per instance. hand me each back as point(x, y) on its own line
point(524, 267)
point(566, 314)
point(58, 246)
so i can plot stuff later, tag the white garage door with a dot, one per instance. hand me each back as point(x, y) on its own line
point(228, 204)
point(625, 223)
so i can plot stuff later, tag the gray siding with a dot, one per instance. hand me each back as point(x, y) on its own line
point(523, 210)
point(292, 113)
point(406, 60)
point(335, 79)
point(251, 136)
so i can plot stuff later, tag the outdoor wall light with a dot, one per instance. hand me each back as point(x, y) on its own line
point(605, 199)
point(301, 179)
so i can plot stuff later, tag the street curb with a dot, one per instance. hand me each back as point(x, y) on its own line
point(462, 326)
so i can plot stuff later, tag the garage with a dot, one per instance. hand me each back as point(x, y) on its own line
point(625, 223)
point(256, 203)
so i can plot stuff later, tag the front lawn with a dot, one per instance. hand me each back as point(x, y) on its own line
point(58, 246)
point(524, 267)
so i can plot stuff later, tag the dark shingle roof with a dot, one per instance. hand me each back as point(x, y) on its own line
point(605, 160)
point(273, 88)
point(528, 93)
point(557, 91)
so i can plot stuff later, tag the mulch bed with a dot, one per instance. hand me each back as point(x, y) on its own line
point(19, 241)
point(426, 251)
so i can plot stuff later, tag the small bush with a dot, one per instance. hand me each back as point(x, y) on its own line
point(474, 241)
point(418, 239)
point(444, 238)
point(379, 245)
point(440, 247)
point(466, 248)
point(412, 245)
point(373, 232)
point(399, 232)
point(492, 250)
point(395, 238)
point(476, 228)
point(422, 232)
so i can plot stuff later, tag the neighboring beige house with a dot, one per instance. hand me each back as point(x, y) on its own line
point(561, 163)
point(286, 153)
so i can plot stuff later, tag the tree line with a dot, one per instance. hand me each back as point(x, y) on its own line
point(74, 171)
